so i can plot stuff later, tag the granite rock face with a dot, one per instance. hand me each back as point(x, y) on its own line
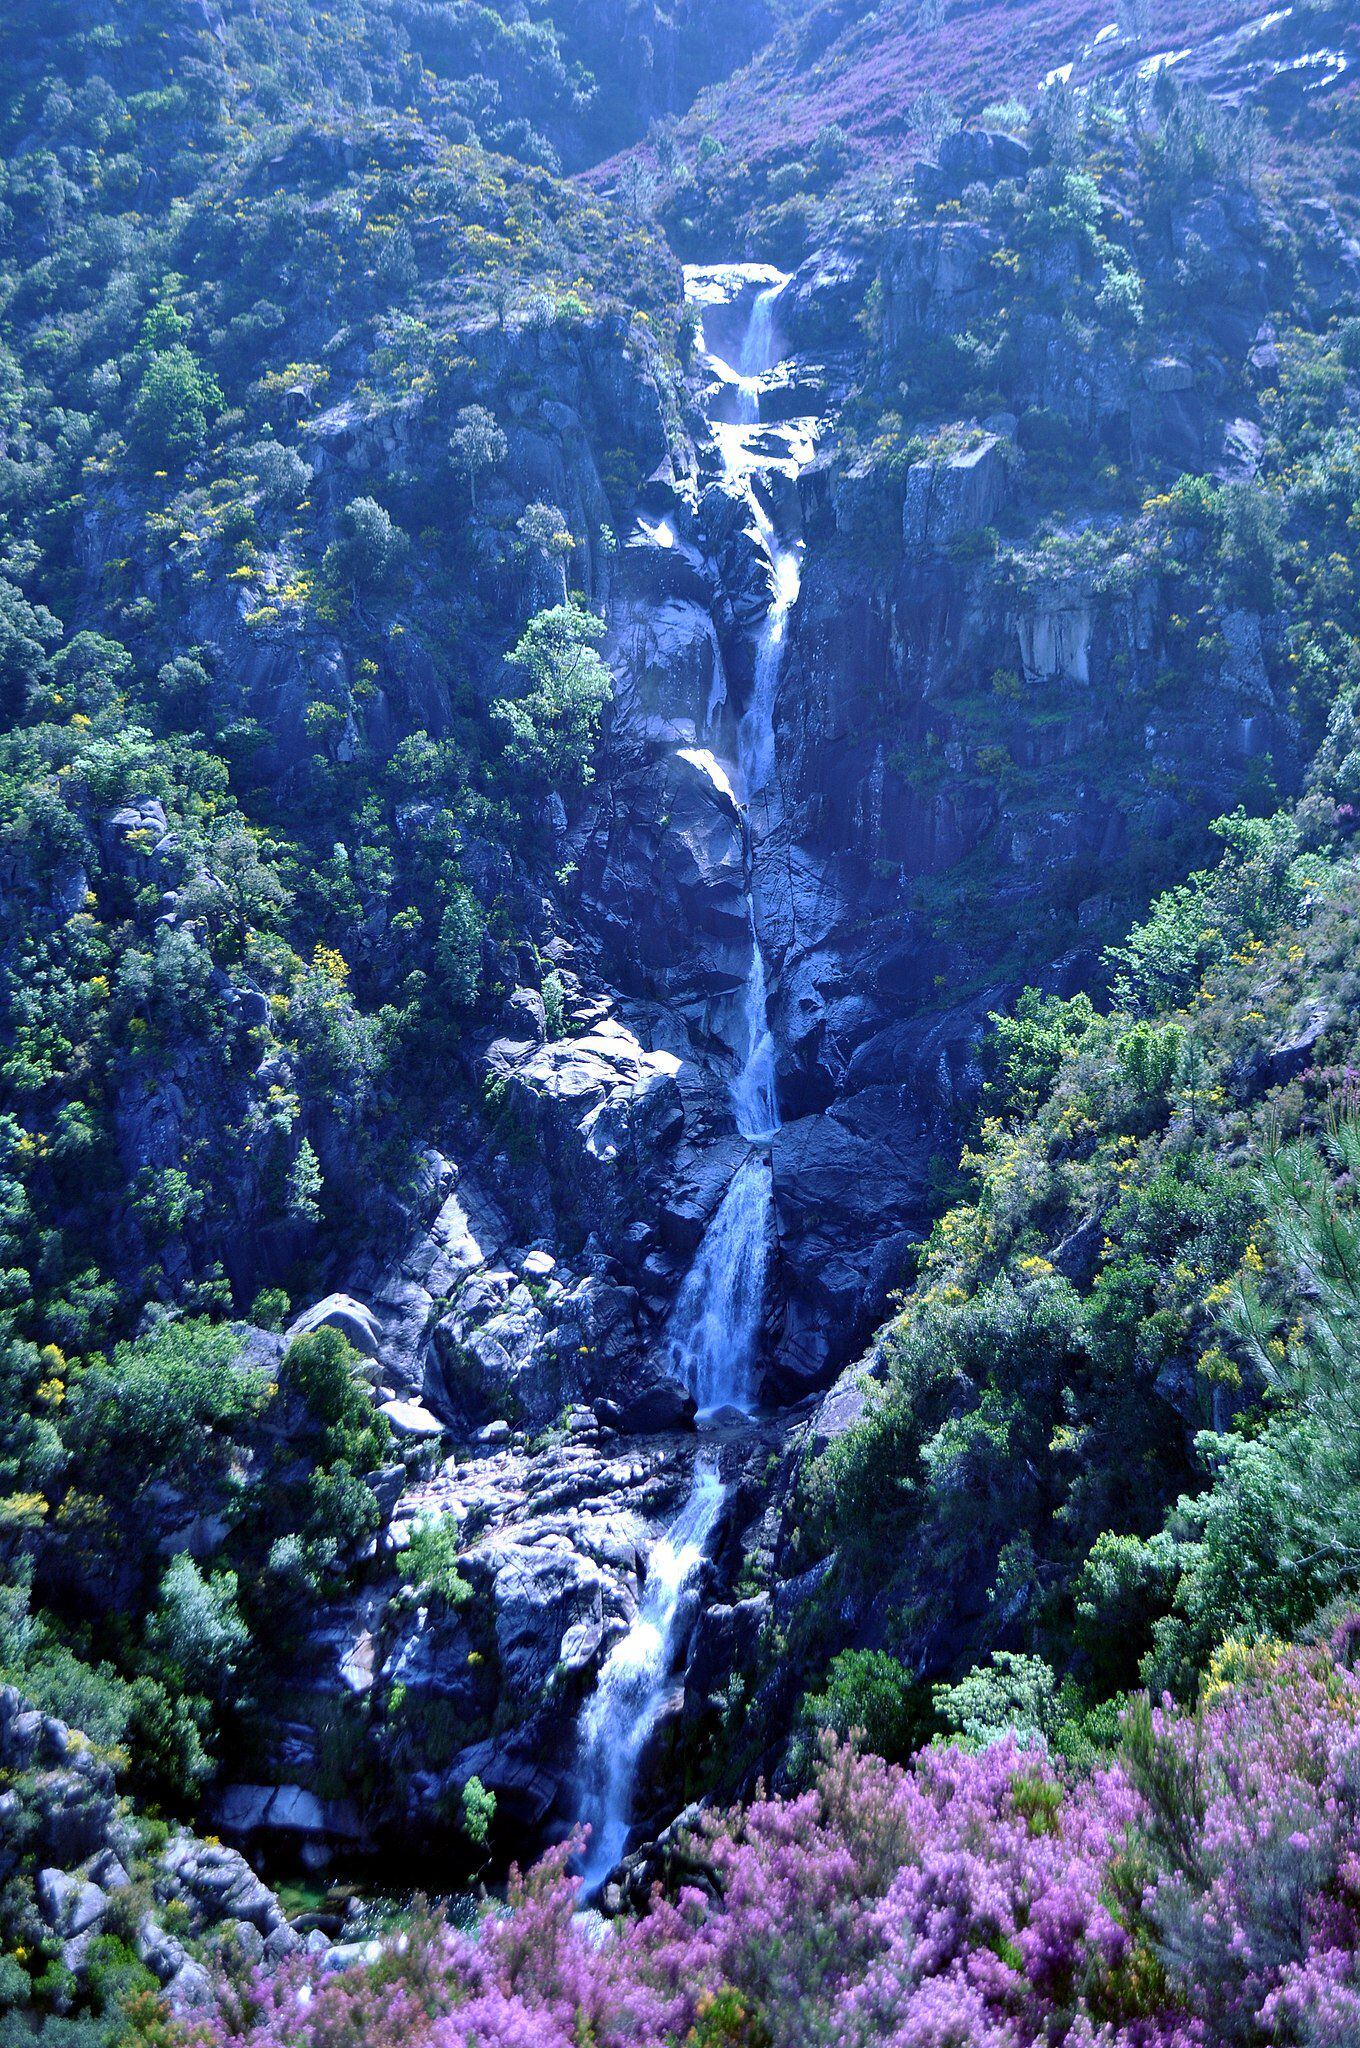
point(71, 1845)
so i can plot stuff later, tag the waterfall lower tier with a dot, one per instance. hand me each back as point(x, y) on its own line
point(714, 1328)
point(622, 1712)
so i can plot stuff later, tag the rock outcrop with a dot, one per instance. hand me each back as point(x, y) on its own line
point(74, 1850)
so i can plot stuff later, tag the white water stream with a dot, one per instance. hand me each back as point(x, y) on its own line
point(623, 1710)
point(713, 1332)
point(714, 1329)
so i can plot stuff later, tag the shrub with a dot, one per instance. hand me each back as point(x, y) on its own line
point(869, 1694)
point(1195, 1891)
point(430, 1563)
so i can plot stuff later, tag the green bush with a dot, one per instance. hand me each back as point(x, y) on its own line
point(867, 1691)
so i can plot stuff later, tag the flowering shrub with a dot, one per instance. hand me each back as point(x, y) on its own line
point(1204, 1889)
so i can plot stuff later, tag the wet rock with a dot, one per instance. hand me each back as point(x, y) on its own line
point(665, 655)
point(674, 1859)
point(660, 1405)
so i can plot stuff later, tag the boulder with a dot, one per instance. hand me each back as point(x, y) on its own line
point(971, 156)
point(818, 305)
point(660, 1404)
point(353, 1319)
point(220, 1883)
point(69, 1903)
point(542, 1592)
point(841, 1407)
point(247, 1810)
point(410, 1419)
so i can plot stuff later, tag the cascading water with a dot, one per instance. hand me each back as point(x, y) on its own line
point(755, 736)
point(622, 1712)
point(760, 348)
point(755, 1102)
point(715, 1323)
point(714, 1329)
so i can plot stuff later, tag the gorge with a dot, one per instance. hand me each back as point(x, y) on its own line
point(679, 756)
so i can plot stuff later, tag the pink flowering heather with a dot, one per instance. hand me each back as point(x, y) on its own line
point(1204, 1890)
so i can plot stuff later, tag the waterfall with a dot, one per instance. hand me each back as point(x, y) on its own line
point(713, 1333)
point(754, 1100)
point(755, 737)
point(622, 1712)
point(760, 349)
point(747, 401)
point(714, 1329)
point(715, 1324)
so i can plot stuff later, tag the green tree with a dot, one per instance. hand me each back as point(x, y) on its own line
point(462, 928)
point(1010, 1695)
point(546, 539)
point(477, 1811)
point(476, 445)
point(163, 1407)
point(27, 634)
point(1258, 883)
point(174, 403)
point(868, 1693)
point(1276, 1535)
point(552, 727)
point(1027, 1048)
point(305, 1182)
point(197, 1627)
point(368, 549)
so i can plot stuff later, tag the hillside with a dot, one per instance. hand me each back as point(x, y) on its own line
point(836, 106)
